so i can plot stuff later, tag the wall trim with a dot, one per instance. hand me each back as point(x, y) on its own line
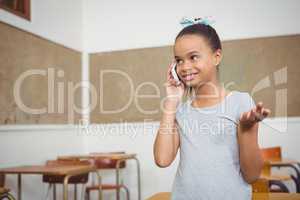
point(39, 127)
point(42, 127)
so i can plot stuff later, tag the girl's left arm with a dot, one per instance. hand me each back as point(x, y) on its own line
point(251, 161)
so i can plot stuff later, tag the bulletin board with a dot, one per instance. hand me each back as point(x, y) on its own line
point(43, 75)
point(267, 68)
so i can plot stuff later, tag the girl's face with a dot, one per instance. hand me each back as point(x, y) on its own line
point(196, 62)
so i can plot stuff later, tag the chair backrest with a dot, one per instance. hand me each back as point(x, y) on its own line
point(266, 170)
point(107, 163)
point(271, 153)
point(261, 185)
point(79, 179)
point(68, 162)
point(108, 152)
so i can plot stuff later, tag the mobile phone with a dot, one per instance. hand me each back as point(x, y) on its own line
point(174, 74)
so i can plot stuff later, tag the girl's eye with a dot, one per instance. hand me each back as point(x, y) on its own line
point(194, 57)
point(179, 62)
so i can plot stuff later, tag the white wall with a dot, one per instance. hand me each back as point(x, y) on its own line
point(56, 20)
point(114, 25)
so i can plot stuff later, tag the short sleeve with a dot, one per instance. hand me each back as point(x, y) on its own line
point(246, 103)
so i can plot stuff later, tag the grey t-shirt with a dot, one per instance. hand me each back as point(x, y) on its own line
point(209, 167)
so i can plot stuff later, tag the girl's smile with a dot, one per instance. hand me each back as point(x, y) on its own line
point(189, 76)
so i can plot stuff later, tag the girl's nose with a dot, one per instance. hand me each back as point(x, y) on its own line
point(186, 66)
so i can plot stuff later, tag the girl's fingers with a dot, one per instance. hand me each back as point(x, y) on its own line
point(169, 70)
point(259, 107)
point(169, 77)
point(244, 116)
point(169, 74)
point(173, 82)
point(262, 114)
point(266, 112)
point(255, 115)
point(171, 65)
point(252, 115)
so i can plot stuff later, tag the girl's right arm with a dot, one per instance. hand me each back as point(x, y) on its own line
point(167, 139)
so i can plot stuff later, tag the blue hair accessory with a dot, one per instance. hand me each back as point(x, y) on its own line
point(185, 22)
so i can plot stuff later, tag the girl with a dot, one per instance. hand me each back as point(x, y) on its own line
point(215, 129)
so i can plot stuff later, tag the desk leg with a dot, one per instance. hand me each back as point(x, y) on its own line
point(75, 191)
point(100, 185)
point(138, 178)
point(19, 186)
point(54, 191)
point(65, 190)
point(118, 179)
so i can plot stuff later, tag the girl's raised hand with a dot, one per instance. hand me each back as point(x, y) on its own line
point(257, 114)
point(174, 91)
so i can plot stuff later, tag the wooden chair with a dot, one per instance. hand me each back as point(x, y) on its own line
point(111, 164)
point(4, 192)
point(273, 153)
point(260, 186)
point(53, 179)
point(161, 196)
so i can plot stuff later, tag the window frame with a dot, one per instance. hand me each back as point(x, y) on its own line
point(27, 10)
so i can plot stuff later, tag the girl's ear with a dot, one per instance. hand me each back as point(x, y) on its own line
point(217, 57)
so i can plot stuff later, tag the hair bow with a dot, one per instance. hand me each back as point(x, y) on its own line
point(188, 22)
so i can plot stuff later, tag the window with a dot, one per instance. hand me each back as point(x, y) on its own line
point(17, 7)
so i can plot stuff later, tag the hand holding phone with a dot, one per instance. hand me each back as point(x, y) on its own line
point(175, 75)
point(174, 87)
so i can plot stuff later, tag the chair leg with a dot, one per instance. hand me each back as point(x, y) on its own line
point(87, 195)
point(48, 191)
point(82, 193)
point(75, 191)
point(54, 191)
point(127, 192)
point(280, 185)
point(6, 196)
point(297, 183)
point(296, 178)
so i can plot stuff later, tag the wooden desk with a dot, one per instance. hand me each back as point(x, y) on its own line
point(67, 171)
point(276, 196)
point(161, 196)
point(115, 156)
point(283, 162)
point(275, 177)
point(256, 196)
point(100, 155)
